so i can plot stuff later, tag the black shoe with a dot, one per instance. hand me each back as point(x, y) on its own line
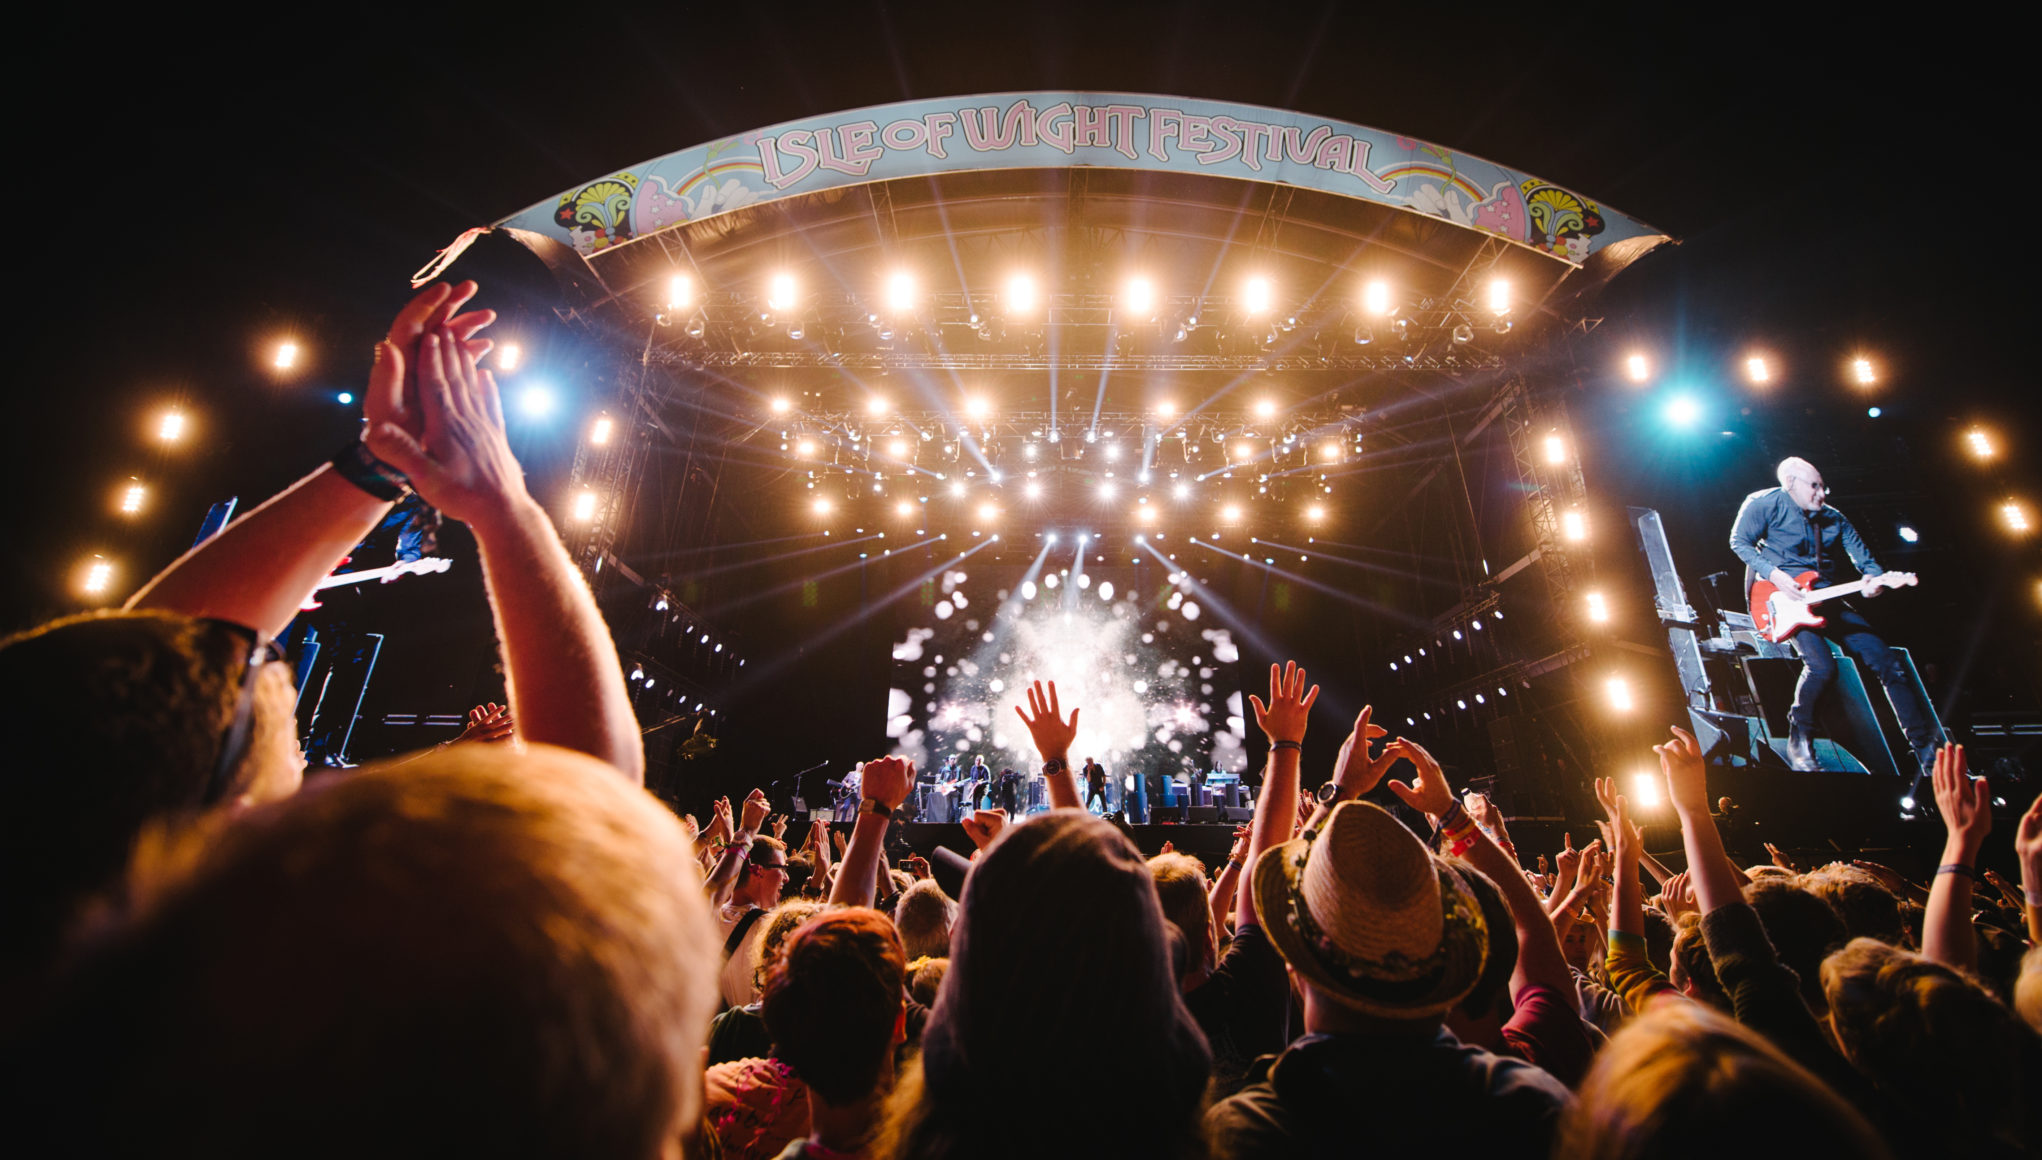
point(1800, 749)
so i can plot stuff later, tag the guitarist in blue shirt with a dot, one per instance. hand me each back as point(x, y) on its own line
point(1788, 530)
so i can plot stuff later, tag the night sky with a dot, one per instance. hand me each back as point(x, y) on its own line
point(1834, 189)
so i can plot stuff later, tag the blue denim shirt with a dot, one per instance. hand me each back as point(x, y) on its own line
point(1773, 532)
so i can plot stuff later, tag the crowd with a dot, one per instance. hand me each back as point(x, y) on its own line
point(507, 947)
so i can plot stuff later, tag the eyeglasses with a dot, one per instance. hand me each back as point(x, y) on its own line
point(241, 727)
point(767, 865)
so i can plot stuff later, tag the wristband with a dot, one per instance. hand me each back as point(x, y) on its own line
point(2032, 898)
point(1274, 746)
point(359, 466)
point(1957, 868)
point(875, 806)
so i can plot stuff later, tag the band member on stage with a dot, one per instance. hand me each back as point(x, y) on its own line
point(980, 780)
point(1095, 784)
point(1784, 531)
point(1007, 793)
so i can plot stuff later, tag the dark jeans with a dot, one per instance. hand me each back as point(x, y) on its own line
point(1855, 634)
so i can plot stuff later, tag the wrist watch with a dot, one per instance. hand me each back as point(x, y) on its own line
point(1328, 792)
point(1055, 765)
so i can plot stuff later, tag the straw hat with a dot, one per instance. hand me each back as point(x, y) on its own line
point(1368, 916)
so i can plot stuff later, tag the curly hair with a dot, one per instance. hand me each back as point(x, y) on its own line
point(833, 1000)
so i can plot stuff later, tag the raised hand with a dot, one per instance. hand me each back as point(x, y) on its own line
point(1566, 863)
point(1427, 791)
point(691, 827)
point(1606, 794)
point(2028, 847)
point(1284, 717)
point(1677, 896)
point(916, 865)
point(719, 825)
point(488, 723)
point(1355, 771)
point(818, 840)
point(1893, 880)
point(1239, 849)
point(460, 460)
point(1779, 858)
point(1169, 847)
point(984, 825)
point(1627, 839)
point(1044, 718)
point(1964, 801)
point(1686, 779)
point(780, 826)
point(889, 779)
point(755, 809)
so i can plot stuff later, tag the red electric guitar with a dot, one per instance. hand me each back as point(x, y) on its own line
point(1778, 617)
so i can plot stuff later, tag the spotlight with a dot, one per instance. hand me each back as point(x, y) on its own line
point(1874, 412)
point(1574, 526)
point(680, 292)
point(286, 356)
point(584, 508)
point(804, 448)
point(1758, 370)
point(1499, 296)
point(1464, 333)
point(599, 431)
point(1021, 294)
point(1231, 513)
point(780, 292)
point(1243, 452)
point(508, 356)
point(1107, 490)
point(782, 404)
point(171, 427)
point(1908, 534)
point(1598, 608)
point(1638, 368)
point(1145, 514)
point(957, 489)
point(1556, 449)
point(1033, 490)
point(904, 509)
point(1330, 452)
point(1316, 512)
point(1181, 491)
point(900, 292)
point(98, 577)
point(1257, 295)
point(822, 505)
point(697, 325)
point(1645, 790)
point(987, 513)
point(1375, 297)
point(1862, 372)
point(1138, 297)
point(2015, 517)
point(876, 405)
point(536, 401)
point(1616, 693)
point(344, 398)
point(1907, 803)
point(1266, 409)
point(898, 449)
point(978, 407)
point(1166, 410)
point(1682, 410)
point(1980, 443)
point(132, 497)
point(1029, 451)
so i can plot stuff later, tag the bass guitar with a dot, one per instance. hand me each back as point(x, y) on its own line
point(1778, 616)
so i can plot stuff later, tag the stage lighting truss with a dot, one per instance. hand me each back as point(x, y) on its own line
point(1027, 459)
point(1077, 331)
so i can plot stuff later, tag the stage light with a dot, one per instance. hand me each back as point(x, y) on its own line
point(1316, 512)
point(780, 292)
point(904, 509)
point(1112, 453)
point(536, 401)
point(1021, 294)
point(1499, 296)
point(1556, 448)
point(98, 577)
point(599, 431)
point(1862, 372)
point(132, 497)
point(1266, 409)
point(1243, 452)
point(1758, 370)
point(1980, 443)
point(876, 405)
point(1645, 793)
point(782, 404)
point(1231, 513)
point(1033, 490)
point(1874, 412)
point(1145, 514)
point(1682, 410)
point(900, 292)
point(1638, 367)
point(1107, 490)
point(804, 448)
point(978, 407)
point(508, 356)
point(1616, 692)
point(286, 357)
point(1909, 534)
point(957, 489)
point(898, 449)
point(987, 513)
point(1598, 608)
point(822, 506)
point(584, 507)
point(1138, 297)
point(1573, 526)
point(2015, 517)
point(1257, 295)
point(1375, 297)
point(171, 427)
point(344, 398)
point(1331, 452)
point(1166, 410)
point(680, 292)
point(1907, 803)
point(1181, 491)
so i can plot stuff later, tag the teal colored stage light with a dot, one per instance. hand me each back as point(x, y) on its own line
point(1682, 410)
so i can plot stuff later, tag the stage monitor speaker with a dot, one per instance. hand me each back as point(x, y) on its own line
point(1205, 814)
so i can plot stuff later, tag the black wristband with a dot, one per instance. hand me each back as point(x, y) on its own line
point(1957, 868)
point(1276, 745)
point(875, 806)
point(359, 466)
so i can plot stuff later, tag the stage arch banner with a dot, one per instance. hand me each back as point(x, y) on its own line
point(1060, 130)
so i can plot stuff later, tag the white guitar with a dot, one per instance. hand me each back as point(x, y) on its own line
point(1778, 616)
point(385, 575)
